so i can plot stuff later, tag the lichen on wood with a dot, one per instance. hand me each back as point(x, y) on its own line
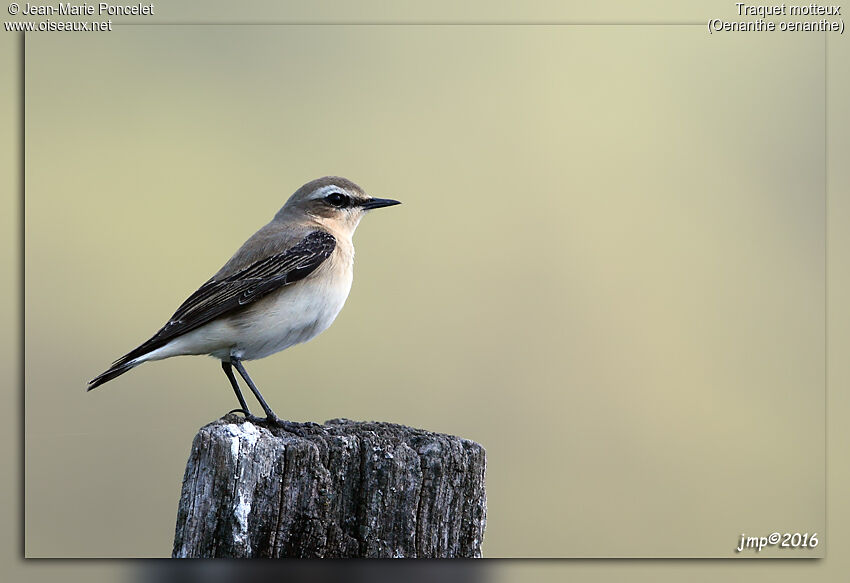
point(341, 489)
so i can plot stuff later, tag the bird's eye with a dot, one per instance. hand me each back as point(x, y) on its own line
point(338, 200)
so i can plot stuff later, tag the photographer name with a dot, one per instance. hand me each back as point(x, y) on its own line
point(85, 9)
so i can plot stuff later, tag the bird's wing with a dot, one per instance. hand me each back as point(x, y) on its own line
point(218, 297)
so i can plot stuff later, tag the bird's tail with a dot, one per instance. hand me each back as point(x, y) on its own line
point(118, 368)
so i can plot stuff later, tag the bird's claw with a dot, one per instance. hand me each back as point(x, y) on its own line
point(274, 421)
point(249, 417)
point(256, 420)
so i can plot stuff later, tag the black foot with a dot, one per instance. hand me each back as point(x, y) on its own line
point(275, 421)
point(253, 418)
point(269, 420)
point(256, 420)
point(288, 426)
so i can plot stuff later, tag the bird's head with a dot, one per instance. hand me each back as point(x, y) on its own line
point(335, 203)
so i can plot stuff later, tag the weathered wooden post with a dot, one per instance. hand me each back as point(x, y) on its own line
point(342, 489)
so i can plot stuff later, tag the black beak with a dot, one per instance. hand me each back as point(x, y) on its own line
point(376, 203)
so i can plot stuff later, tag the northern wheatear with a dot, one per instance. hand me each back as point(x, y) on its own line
point(284, 286)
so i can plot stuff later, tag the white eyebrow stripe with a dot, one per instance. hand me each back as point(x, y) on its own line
point(326, 190)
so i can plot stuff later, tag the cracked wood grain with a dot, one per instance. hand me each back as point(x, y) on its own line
point(342, 489)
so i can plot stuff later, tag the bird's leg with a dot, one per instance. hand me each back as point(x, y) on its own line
point(228, 370)
point(270, 416)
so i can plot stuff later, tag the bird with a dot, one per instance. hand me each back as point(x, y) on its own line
point(285, 285)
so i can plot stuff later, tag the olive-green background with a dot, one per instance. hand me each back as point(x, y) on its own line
point(609, 268)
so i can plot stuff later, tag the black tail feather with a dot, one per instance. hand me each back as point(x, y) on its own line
point(115, 370)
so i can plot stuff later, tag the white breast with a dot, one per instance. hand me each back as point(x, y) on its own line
point(294, 314)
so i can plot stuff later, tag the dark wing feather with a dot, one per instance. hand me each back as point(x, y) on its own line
point(216, 298)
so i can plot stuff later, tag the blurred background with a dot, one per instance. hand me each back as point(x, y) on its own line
point(609, 269)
